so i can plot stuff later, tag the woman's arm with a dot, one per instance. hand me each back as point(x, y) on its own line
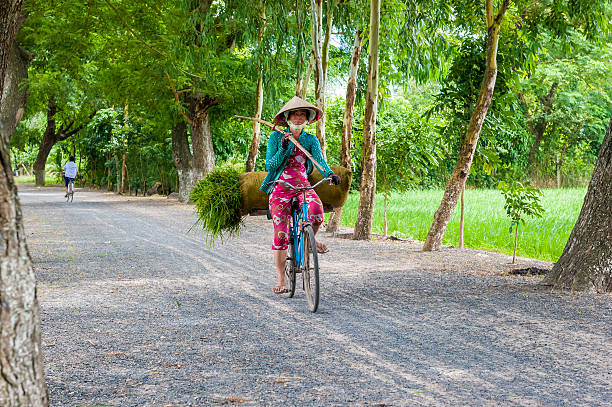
point(275, 154)
point(317, 154)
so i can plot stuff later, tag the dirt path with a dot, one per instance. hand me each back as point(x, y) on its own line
point(137, 312)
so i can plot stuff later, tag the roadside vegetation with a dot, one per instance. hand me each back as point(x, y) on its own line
point(486, 223)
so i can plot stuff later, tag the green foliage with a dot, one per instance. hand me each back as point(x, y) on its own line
point(521, 201)
point(569, 99)
point(486, 223)
point(28, 135)
point(217, 203)
point(407, 146)
point(107, 54)
point(502, 140)
point(147, 146)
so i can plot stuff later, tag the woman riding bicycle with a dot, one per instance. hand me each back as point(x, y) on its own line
point(286, 162)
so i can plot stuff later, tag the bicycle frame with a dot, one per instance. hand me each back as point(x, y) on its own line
point(299, 221)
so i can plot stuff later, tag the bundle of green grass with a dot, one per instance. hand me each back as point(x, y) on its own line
point(225, 196)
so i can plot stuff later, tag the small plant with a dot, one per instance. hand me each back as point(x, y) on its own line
point(217, 203)
point(520, 201)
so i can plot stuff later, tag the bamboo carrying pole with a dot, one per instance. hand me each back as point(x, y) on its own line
point(289, 136)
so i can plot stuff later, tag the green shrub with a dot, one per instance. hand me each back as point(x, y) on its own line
point(217, 203)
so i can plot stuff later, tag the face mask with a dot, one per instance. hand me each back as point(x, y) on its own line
point(296, 126)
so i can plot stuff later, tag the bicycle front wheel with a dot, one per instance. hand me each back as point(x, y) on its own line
point(310, 269)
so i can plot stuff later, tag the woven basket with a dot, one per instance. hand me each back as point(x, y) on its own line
point(255, 202)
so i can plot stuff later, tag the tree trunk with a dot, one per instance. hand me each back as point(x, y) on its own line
point(117, 175)
point(317, 45)
point(22, 381)
point(586, 261)
point(456, 183)
point(48, 141)
point(201, 138)
point(558, 169)
point(14, 97)
point(123, 173)
point(254, 149)
point(302, 84)
point(365, 212)
point(347, 123)
point(108, 174)
point(182, 160)
point(331, 5)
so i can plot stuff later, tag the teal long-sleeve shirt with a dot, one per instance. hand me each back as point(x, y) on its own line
point(277, 157)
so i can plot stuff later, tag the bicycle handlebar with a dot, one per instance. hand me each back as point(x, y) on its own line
point(280, 181)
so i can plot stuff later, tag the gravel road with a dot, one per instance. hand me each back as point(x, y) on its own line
point(138, 312)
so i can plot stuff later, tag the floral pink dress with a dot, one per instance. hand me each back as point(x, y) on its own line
point(280, 198)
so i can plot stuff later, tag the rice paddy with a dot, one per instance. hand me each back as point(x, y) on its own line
point(486, 224)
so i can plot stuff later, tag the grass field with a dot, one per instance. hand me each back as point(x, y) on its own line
point(50, 180)
point(486, 223)
point(24, 179)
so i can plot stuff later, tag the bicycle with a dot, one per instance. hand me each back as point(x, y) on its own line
point(301, 258)
point(70, 194)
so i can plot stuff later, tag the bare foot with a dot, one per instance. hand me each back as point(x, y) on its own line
point(280, 289)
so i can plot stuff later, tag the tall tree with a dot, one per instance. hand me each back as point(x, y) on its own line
point(52, 135)
point(459, 175)
point(347, 121)
point(182, 159)
point(555, 16)
point(365, 213)
point(317, 53)
point(209, 67)
point(259, 96)
point(586, 261)
point(22, 381)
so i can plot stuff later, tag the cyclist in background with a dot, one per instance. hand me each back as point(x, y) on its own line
point(70, 172)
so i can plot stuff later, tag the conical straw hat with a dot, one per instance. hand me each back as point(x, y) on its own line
point(314, 113)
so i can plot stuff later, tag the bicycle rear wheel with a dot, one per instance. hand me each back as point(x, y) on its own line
point(290, 268)
point(70, 192)
point(310, 270)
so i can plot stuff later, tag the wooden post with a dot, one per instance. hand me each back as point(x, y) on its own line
point(461, 220)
